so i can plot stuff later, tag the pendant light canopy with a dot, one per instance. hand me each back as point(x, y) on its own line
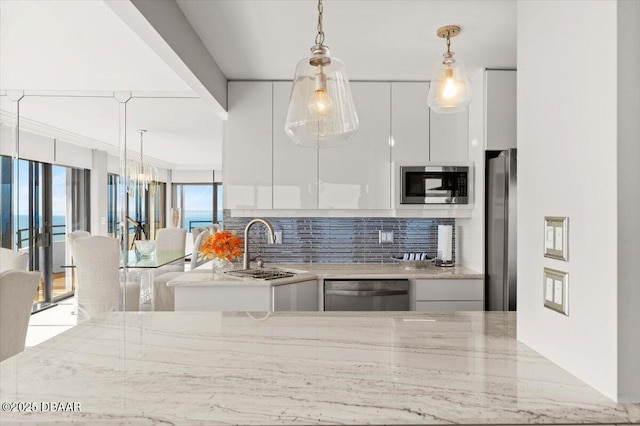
point(142, 176)
point(321, 111)
point(449, 90)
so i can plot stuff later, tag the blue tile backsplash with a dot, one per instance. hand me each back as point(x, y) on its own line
point(340, 240)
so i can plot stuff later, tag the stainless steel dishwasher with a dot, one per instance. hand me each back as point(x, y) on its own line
point(366, 295)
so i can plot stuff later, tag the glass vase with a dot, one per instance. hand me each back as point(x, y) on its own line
point(222, 264)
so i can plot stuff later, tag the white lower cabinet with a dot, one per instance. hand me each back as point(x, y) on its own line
point(302, 296)
point(449, 295)
point(299, 296)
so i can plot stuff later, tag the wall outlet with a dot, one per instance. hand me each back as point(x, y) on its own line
point(278, 237)
point(385, 237)
point(556, 290)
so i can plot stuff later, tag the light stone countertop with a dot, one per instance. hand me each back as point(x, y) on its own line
point(205, 277)
point(299, 368)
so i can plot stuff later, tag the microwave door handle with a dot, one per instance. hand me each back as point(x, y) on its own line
point(365, 292)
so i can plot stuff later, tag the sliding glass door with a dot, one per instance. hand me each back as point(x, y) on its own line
point(51, 201)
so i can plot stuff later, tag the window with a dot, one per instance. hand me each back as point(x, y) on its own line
point(199, 204)
point(147, 208)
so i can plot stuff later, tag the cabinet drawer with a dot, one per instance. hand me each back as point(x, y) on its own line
point(449, 290)
point(450, 305)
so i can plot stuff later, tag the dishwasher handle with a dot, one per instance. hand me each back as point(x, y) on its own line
point(364, 292)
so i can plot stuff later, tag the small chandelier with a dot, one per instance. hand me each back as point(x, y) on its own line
point(142, 176)
point(449, 90)
point(321, 111)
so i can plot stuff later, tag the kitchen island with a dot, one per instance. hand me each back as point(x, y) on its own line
point(453, 288)
point(298, 368)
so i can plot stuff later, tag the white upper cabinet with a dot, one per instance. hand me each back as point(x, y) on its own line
point(501, 109)
point(409, 123)
point(295, 169)
point(357, 175)
point(449, 136)
point(248, 168)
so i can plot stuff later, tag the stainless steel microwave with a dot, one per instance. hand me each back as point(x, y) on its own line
point(434, 185)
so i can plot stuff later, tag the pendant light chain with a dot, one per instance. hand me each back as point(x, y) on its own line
point(141, 145)
point(320, 35)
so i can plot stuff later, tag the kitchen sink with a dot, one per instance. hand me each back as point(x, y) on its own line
point(265, 274)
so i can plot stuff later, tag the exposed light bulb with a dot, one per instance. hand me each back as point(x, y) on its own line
point(320, 103)
point(450, 90)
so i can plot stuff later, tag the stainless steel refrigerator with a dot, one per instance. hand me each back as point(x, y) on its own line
point(501, 274)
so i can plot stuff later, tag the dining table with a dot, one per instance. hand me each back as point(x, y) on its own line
point(145, 269)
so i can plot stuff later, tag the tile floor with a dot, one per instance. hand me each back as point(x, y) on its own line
point(49, 323)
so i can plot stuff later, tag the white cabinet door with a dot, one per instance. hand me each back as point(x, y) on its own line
point(295, 169)
point(301, 296)
point(357, 175)
point(409, 123)
point(248, 166)
point(501, 109)
point(449, 136)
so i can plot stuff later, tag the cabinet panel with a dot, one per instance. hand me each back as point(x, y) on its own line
point(449, 136)
point(449, 290)
point(357, 175)
point(296, 297)
point(409, 123)
point(450, 306)
point(248, 168)
point(295, 169)
point(501, 109)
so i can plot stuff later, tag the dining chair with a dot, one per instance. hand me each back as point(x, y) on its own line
point(17, 291)
point(10, 259)
point(71, 247)
point(172, 239)
point(163, 296)
point(214, 227)
point(97, 261)
point(71, 239)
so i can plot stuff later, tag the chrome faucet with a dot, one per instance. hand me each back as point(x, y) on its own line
point(272, 239)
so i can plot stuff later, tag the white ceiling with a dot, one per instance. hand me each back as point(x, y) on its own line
point(84, 46)
point(377, 40)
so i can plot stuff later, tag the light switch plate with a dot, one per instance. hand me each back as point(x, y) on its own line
point(556, 231)
point(556, 290)
point(278, 237)
point(385, 237)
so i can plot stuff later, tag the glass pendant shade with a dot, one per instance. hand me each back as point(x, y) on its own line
point(321, 110)
point(449, 90)
point(141, 176)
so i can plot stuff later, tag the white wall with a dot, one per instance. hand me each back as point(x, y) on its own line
point(568, 165)
point(99, 193)
point(196, 176)
point(628, 201)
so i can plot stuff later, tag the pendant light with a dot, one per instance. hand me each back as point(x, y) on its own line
point(449, 90)
point(321, 111)
point(142, 176)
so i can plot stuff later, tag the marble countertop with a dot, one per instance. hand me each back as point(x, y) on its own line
point(382, 270)
point(309, 271)
point(299, 368)
point(205, 277)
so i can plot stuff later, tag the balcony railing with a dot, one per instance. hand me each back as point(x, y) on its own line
point(21, 240)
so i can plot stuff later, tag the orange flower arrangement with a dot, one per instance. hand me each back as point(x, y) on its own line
point(222, 244)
